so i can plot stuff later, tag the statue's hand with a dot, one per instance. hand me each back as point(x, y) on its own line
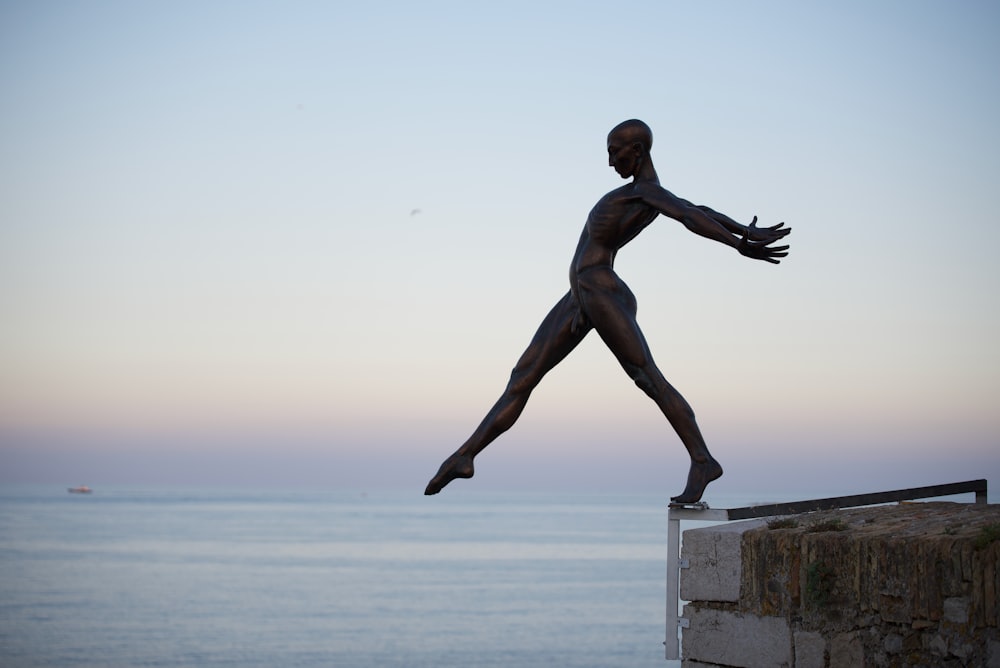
point(756, 241)
point(766, 235)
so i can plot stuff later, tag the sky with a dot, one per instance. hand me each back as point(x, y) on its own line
point(303, 243)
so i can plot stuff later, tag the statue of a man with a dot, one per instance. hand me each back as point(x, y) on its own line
point(598, 299)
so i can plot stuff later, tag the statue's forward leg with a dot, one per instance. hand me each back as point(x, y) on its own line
point(611, 307)
point(699, 475)
point(555, 338)
point(704, 468)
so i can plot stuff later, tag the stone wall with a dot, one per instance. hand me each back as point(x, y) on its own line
point(912, 584)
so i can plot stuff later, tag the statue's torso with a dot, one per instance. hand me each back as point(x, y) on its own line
point(615, 220)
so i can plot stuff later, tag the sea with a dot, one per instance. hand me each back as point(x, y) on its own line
point(213, 578)
point(137, 576)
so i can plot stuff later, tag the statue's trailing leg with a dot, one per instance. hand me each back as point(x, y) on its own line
point(456, 466)
point(556, 337)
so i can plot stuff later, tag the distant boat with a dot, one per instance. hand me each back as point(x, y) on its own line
point(82, 489)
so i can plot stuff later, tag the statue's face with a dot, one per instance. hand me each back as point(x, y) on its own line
point(623, 156)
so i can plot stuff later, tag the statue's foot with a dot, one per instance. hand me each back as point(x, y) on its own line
point(699, 476)
point(456, 466)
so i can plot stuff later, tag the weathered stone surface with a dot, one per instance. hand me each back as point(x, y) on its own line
point(937, 645)
point(846, 651)
point(715, 558)
point(956, 610)
point(893, 643)
point(993, 655)
point(810, 649)
point(909, 584)
point(771, 569)
point(732, 639)
point(899, 562)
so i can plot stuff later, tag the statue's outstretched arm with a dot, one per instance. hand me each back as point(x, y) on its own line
point(760, 250)
point(765, 234)
point(750, 240)
point(692, 217)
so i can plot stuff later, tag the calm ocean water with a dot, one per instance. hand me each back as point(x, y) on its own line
point(179, 577)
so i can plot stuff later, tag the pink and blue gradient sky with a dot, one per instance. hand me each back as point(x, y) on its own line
point(210, 272)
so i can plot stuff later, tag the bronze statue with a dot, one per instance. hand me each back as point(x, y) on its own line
point(599, 299)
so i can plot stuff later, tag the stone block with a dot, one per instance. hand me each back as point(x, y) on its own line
point(956, 610)
point(715, 562)
point(993, 657)
point(937, 645)
point(810, 649)
point(733, 639)
point(847, 651)
point(892, 643)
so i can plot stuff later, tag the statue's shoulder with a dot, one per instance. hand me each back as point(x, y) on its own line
point(619, 195)
point(645, 188)
point(618, 205)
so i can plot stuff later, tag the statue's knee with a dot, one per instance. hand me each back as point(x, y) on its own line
point(641, 379)
point(521, 383)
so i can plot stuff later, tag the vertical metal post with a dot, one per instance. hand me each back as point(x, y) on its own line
point(672, 642)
